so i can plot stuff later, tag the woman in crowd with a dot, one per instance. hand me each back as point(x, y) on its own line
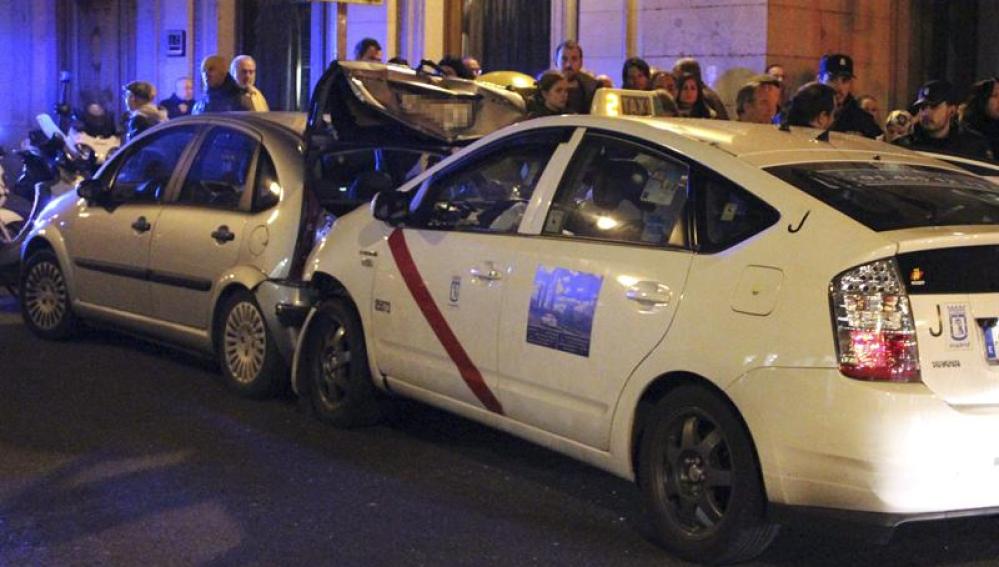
point(142, 113)
point(981, 111)
point(551, 97)
point(636, 74)
point(690, 101)
point(812, 106)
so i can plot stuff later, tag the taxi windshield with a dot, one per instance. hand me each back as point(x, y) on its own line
point(892, 196)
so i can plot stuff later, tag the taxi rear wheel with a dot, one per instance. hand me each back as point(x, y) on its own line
point(700, 483)
point(45, 303)
point(337, 376)
point(251, 364)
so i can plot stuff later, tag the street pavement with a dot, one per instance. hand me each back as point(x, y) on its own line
point(115, 451)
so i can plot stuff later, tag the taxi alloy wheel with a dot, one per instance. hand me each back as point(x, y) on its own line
point(700, 482)
point(251, 363)
point(45, 304)
point(336, 365)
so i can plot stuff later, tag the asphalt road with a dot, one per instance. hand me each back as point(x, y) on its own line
point(116, 451)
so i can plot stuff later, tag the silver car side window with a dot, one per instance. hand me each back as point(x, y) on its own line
point(220, 172)
point(144, 173)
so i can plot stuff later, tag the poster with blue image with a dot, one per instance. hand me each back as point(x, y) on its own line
point(562, 308)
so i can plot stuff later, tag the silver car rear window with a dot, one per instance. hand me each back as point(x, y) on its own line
point(892, 196)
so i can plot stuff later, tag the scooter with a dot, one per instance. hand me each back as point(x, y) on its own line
point(92, 133)
point(47, 157)
point(14, 211)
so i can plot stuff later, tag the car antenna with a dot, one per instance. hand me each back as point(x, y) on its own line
point(824, 136)
point(785, 126)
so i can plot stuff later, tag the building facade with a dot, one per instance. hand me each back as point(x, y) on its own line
point(896, 44)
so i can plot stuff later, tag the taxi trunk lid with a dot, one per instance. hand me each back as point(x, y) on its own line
point(361, 102)
point(951, 275)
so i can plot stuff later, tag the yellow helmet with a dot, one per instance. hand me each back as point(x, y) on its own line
point(513, 79)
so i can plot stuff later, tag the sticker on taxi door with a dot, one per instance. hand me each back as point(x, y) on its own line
point(562, 307)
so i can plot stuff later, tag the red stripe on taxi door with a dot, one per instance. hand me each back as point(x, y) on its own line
point(418, 288)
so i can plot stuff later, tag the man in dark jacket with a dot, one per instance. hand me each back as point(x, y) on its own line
point(937, 129)
point(836, 70)
point(222, 92)
point(182, 100)
point(569, 58)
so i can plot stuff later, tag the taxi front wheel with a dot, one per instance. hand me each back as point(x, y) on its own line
point(699, 479)
point(337, 376)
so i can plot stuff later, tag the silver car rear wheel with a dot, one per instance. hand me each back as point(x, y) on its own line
point(250, 362)
point(245, 342)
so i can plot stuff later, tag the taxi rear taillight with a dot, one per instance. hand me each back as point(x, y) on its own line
point(875, 331)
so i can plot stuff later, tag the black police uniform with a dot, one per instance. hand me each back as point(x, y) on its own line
point(959, 141)
point(849, 117)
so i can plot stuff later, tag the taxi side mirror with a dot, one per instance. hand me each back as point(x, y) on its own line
point(391, 207)
point(92, 190)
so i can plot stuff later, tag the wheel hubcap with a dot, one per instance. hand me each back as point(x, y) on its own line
point(698, 473)
point(245, 342)
point(334, 363)
point(45, 297)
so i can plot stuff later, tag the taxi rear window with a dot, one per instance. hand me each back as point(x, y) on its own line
point(891, 196)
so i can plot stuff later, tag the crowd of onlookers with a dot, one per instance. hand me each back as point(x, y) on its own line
point(935, 121)
point(226, 87)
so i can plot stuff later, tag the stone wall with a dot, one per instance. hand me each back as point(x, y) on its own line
point(29, 77)
point(799, 32)
point(735, 39)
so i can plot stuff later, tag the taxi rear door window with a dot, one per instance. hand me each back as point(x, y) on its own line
point(623, 192)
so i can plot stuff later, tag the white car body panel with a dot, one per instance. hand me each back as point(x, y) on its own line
point(754, 320)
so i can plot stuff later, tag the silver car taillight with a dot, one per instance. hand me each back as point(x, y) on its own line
point(875, 332)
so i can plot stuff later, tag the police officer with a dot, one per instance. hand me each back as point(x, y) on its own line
point(836, 70)
point(937, 129)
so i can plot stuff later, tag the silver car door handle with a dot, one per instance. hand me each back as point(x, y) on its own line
point(650, 293)
point(489, 273)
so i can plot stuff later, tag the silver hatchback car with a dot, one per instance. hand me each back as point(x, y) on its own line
point(196, 232)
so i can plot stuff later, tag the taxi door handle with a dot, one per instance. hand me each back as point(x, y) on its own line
point(141, 225)
point(650, 293)
point(223, 234)
point(488, 273)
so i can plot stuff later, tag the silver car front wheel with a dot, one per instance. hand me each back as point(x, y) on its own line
point(45, 303)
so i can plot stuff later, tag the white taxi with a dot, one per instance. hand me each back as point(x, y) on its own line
point(748, 321)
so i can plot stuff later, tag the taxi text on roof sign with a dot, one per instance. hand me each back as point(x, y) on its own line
point(626, 102)
point(370, 2)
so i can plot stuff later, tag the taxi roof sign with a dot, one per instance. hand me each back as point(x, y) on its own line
point(627, 102)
